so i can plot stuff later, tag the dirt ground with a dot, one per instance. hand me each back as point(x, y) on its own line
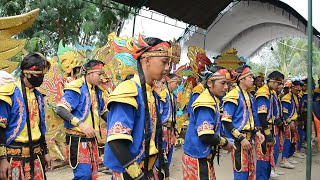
point(223, 172)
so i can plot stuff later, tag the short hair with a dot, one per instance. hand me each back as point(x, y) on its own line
point(34, 59)
point(276, 75)
point(90, 64)
point(205, 75)
point(296, 83)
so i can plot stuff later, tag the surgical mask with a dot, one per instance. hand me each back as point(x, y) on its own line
point(35, 81)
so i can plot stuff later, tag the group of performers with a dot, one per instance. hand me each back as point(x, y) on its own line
point(226, 111)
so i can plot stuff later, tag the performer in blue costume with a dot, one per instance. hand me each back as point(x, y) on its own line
point(241, 124)
point(302, 121)
point(81, 107)
point(134, 139)
point(23, 148)
point(203, 134)
point(290, 108)
point(168, 109)
point(269, 117)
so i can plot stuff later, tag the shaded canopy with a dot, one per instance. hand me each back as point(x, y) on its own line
point(201, 12)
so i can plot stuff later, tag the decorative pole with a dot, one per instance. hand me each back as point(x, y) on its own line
point(309, 113)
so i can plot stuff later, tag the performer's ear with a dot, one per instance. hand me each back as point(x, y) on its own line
point(210, 84)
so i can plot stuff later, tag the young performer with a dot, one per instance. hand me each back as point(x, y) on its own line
point(168, 110)
point(134, 139)
point(290, 107)
point(269, 115)
point(81, 107)
point(241, 123)
point(23, 148)
point(203, 134)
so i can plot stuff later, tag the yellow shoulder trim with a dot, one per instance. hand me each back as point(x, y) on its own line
point(198, 89)
point(232, 96)
point(6, 91)
point(317, 90)
point(163, 95)
point(125, 92)
point(205, 99)
point(286, 98)
point(74, 85)
point(263, 92)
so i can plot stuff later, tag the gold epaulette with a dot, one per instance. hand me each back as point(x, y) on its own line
point(317, 90)
point(198, 89)
point(74, 85)
point(205, 99)
point(286, 98)
point(163, 95)
point(232, 96)
point(263, 92)
point(6, 91)
point(125, 92)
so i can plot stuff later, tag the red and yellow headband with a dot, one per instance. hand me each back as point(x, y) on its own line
point(96, 68)
point(163, 49)
point(246, 72)
point(220, 74)
point(34, 70)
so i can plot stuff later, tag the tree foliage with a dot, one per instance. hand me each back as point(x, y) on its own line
point(289, 56)
point(73, 21)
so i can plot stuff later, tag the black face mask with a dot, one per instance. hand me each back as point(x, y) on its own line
point(35, 81)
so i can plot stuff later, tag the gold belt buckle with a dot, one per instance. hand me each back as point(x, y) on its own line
point(26, 151)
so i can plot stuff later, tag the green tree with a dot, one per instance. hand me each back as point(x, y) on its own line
point(288, 56)
point(73, 21)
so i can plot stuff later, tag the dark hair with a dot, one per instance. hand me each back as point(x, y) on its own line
point(276, 75)
point(151, 41)
point(208, 72)
point(296, 83)
point(238, 72)
point(90, 64)
point(34, 59)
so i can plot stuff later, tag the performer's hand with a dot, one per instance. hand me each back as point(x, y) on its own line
point(261, 137)
point(292, 126)
point(87, 130)
point(4, 169)
point(229, 146)
point(245, 144)
point(48, 161)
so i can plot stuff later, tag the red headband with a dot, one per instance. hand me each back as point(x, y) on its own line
point(246, 72)
point(220, 74)
point(97, 67)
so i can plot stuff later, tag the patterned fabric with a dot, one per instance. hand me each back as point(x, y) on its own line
point(21, 170)
point(133, 121)
point(34, 110)
point(293, 136)
point(118, 128)
point(243, 161)
point(192, 169)
point(88, 154)
point(169, 137)
point(264, 156)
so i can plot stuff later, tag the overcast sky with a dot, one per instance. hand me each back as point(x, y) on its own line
point(166, 32)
